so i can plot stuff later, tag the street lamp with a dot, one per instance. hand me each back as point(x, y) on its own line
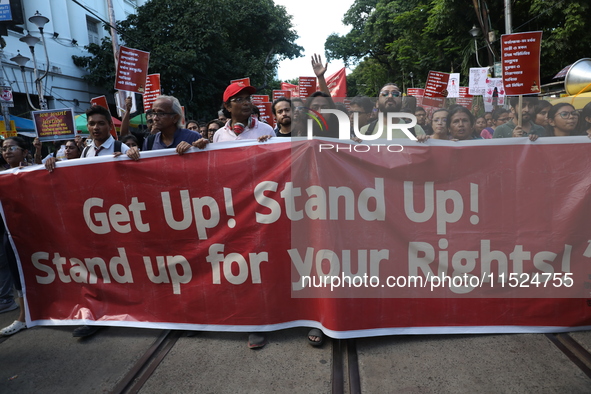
point(475, 32)
point(40, 21)
point(412, 81)
point(22, 61)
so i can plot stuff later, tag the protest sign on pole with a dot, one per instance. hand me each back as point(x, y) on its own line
point(521, 62)
point(477, 80)
point(295, 89)
point(465, 98)
point(281, 93)
point(152, 90)
point(418, 93)
point(307, 86)
point(434, 89)
point(244, 81)
point(54, 124)
point(132, 68)
point(266, 115)
point(260, 98)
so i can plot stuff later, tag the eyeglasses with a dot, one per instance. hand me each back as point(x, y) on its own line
point(12, 148)
point(503, 119)
point(300, 108)
point(161, 114)
point(212, 130)
point(393, 93)
point(566, 114)
point(240, 99)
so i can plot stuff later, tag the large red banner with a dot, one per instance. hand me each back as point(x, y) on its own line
point(359, 240)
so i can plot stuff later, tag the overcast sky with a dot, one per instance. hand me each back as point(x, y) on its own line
point(314, 21)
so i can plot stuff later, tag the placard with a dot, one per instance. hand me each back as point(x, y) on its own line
point(54, 124)
point(132, 68)
point(307, 86)
point(434, 89)
point(521, 62)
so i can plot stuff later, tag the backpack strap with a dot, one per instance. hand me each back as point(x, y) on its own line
point(117, 147)
point(85, 151)
point(151, 140)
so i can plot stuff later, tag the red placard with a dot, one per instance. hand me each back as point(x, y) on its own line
point(434, 87)
point(337, 85)
point(465, 98)
point(245, 81)
point(54, 124)
point(102, 102)
point(521, 62)
point(266, 114)
point(250, 238)
point(307, 86)
point(260, 98)
point(294, 89)
point(418, 93)
point(152, 90)
point(281, 93)
point(132, 68)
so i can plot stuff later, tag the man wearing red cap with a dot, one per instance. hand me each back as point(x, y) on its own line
point(238, 108)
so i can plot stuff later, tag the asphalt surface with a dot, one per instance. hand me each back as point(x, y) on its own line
point(117, 360)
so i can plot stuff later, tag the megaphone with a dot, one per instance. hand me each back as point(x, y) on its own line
point(578, 77)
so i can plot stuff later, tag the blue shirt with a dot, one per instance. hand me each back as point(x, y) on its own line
point(179, 135)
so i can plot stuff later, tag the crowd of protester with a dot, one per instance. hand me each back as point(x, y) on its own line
point(239, 120)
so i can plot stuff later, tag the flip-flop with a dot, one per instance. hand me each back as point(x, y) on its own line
point(315, 333)
point(257, 340)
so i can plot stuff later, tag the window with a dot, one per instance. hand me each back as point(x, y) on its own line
point(93, 31)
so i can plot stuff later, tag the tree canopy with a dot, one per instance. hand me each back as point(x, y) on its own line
point(390, 39)
point(198, 46)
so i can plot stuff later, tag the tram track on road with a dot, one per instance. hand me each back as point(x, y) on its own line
point(573, 350)
point(345, 376)
point(345, 367)
point(143, 369)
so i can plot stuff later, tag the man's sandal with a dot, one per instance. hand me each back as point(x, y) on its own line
point(315, 333)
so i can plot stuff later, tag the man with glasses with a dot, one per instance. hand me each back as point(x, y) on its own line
point(528, 127)
point(242, 125)
point(390, 100)
point(167, 115)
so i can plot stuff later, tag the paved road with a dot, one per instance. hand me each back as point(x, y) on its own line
point(50, 360)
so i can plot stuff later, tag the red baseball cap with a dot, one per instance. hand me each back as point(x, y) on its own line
point(236, 88)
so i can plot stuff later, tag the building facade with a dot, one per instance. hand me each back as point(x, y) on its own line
point(72, 25)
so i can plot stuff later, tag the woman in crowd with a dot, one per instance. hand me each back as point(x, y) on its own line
point(14, 151)
point(499, 116)
point(212, 127)
point(131, 141)
point(72, 151)
point(562, 120)
point(479, 125)
point(460, 122)
point(439, 124)
point(584, 127)
point(541, 113)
